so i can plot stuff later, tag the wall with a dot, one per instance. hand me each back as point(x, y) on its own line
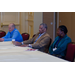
point(49, 19)
point(38, 19)
point(68, 19)
point(9, 17)
point(24, 21)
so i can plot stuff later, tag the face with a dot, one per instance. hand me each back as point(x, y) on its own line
point(41, 29)
point(59, 32)
point(10, 28)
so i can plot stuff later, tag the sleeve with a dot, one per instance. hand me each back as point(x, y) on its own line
point(15, 34)
point(43, 42)
point(52, 45)
point(51, 48)
point(6, 36)
point(62, 47)
point(29, 41)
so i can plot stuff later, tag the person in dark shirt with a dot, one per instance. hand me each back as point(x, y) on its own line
point(58, 47)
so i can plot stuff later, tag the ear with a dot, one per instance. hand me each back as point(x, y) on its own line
point(13, 28)
point(45, 29)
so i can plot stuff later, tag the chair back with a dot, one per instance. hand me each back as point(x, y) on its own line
point(34, 35)
point(2, 33)
point(50, 42)
point(25, 36)
point(70, 52)
point(47, 50)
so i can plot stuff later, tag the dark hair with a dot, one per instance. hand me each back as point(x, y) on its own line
point(44, 25)
point(63, 28)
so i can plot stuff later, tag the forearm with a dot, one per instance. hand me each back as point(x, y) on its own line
point(50, 49)
point(44, 42)
point(28, 41)
point(35, 45)
point(59, 50)
point(62, 47)
point(7, 39)
point(17, 43)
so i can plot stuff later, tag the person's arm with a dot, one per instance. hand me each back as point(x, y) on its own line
point(51, 48)
point(1, 39)
point(6, 36)
point(30, 41)
point(52, 45)
point(42, 43)
point(14, 36)
point(17, 43)
point(62, 47)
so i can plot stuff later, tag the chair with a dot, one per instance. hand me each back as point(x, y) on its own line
point(70, 52)
point(34, 35)
point(2, 33)
point(47, 50)
point(25, 36)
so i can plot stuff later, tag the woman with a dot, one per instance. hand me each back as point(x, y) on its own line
point(58, 48)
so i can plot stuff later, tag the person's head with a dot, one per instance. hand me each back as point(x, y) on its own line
point(11, 27)
point(42, 28)
point(62, 31)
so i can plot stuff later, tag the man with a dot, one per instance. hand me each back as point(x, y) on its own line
point(13, 33)
point(40, 41)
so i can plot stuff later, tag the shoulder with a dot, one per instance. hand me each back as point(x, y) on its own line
point(57, 37)
point(46, 34)
point(67, 37)
point(16, 29)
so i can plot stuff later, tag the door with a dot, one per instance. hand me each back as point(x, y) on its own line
point(9, 17)
point(30, 23)
point(68, 19)
point(49, 19)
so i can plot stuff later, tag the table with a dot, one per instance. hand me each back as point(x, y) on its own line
point(12, 53)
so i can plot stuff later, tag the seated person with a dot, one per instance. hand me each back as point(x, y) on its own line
point(39, 41)
point(13, 33)
point(58, 47)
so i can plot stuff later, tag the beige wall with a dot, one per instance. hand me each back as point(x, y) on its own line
point(25, 20)
point(38, 19)
point(9, 17)
point(22, 22)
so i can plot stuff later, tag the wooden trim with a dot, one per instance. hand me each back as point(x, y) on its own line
point(6, 24)
point(57, 19)
point(54, 27)
point(30, 20)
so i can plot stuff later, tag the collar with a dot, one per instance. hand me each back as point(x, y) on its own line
point(13, 31)
point(64, 36)
point(42, 33)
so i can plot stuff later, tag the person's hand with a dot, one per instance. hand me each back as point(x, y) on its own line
point(17, 43)
point(1, 39)
point(24, 45)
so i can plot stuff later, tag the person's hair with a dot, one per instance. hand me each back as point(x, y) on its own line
point(44, 25)
point(63, 28)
